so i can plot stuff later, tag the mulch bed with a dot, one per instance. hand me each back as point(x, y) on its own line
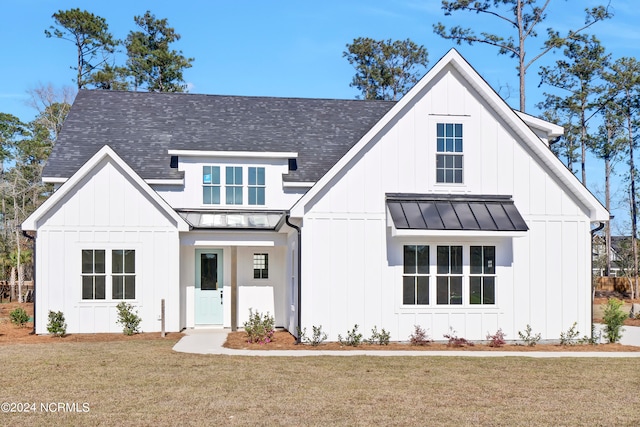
point(11, 334)
point(283, 340)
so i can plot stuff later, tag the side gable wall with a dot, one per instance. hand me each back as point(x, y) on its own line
point(106, 210)
point(352, 267)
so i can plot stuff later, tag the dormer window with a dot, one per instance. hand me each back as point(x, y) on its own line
point(449, 153)
point(235, 179)
point(211, 185)
point(233, 185)
point(256, 186)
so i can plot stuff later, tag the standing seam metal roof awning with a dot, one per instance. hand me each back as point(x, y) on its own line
point(452, 212)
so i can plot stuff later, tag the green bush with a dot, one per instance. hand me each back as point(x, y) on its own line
point(129, 319)
point(353, 338)
point(381, 338)
point(259, 328)
point(528, 337)
point(57, 325)
point(613, 319)
point(316, 339)
point(571, 336)
point(19, 317)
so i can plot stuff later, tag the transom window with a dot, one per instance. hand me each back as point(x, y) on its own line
point(482, 281)
point(260, 266)
point(95, 265)
point(233, 185)
point(256, 186)
point(449, 153)
point(415, 280)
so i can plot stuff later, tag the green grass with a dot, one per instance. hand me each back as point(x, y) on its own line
point(146, 383)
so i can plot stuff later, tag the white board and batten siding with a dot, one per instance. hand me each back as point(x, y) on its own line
point(352, 262)
point(106, 210)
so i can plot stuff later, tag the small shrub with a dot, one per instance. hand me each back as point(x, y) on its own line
point(381, 338)
point(571, 336)
point(316, 339)
point(528, 337)
point(593, 339)
point(497, 339)
point(259, 328)
point(57, 325)
point(19, 317)
point(419, 336)
point(454, 340)
point(353, 338)
point(128, 318)
point(613, 318)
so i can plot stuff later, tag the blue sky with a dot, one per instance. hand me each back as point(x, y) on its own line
point(281, 48)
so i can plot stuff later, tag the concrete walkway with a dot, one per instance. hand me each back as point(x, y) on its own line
point(210, 341)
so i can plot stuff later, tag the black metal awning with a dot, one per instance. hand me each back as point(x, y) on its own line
point(454, 212)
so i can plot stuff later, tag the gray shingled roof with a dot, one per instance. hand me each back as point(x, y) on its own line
point(142, 126)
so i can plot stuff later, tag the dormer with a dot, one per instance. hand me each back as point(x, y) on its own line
point(232, 180)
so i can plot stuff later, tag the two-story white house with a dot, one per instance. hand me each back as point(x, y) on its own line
point(445, 209)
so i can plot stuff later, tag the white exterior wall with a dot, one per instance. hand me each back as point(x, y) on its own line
point(352, 266)
point(190, 196)
point(246, 244)
point(106, 211)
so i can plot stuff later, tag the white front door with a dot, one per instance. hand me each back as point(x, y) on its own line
point(209, 288)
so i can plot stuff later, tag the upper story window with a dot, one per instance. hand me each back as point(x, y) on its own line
point(256, 186)
point(211, 185)
point(233, 185)
point(449, 153)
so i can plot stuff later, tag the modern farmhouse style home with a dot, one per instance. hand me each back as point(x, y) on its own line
point(446, 209)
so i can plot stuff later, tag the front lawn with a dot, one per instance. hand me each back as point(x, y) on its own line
point(146, 383)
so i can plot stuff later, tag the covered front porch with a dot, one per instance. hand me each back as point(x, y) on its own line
point(226, 272)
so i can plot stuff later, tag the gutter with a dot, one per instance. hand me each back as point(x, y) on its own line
point(33, 239)
point(299, 230)
point(593, 232)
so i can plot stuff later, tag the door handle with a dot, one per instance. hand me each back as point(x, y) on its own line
point(221, 296)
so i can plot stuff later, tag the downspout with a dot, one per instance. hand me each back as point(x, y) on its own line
point(593, 232)
point(295, 227)
point(33, 239)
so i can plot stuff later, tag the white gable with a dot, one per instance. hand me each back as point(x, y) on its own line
point(452, 91)
point(109, 194)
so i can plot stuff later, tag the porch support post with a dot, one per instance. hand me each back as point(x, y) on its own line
point(234, 288)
